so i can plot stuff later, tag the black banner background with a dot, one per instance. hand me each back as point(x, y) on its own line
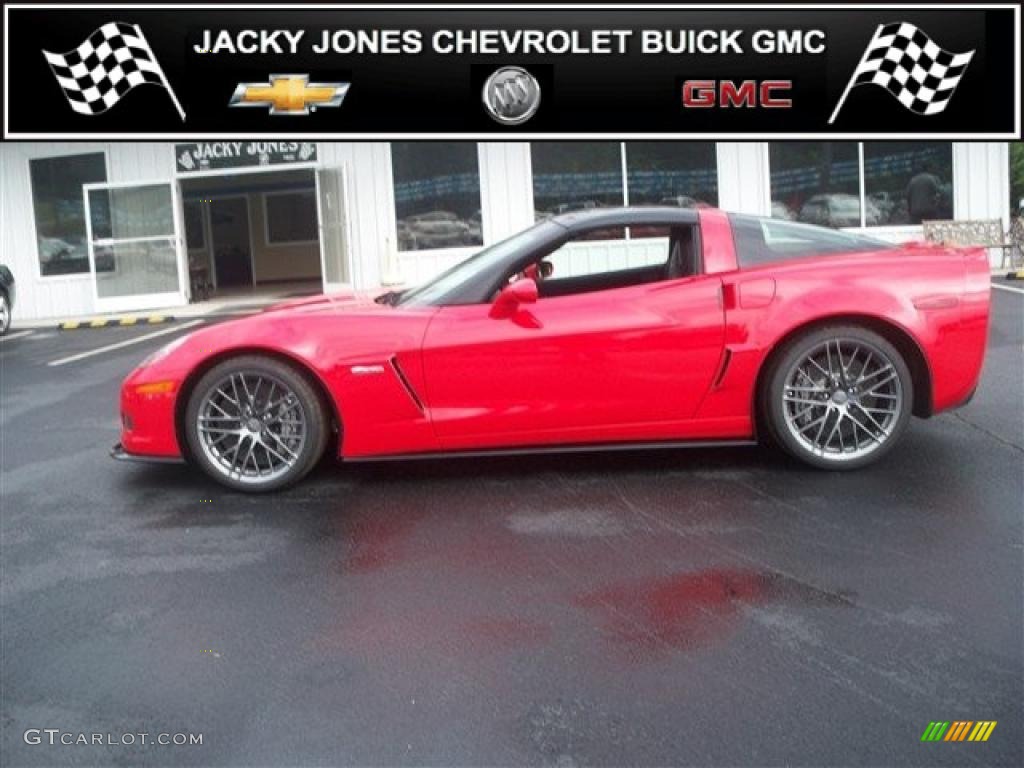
point(430, 93)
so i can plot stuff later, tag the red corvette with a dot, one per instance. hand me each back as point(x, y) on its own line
point(610, 328)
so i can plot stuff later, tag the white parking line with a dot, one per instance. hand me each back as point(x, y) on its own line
point(1007, 288)
point(121, 344)
point(18, 335)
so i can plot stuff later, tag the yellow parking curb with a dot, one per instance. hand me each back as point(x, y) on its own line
point(111, 322)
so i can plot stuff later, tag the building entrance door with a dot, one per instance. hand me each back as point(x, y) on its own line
point(232, 249)
point(134, 250)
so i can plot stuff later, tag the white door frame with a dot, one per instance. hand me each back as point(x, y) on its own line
point(139, 302)
point(346, 230)
point(310, 165)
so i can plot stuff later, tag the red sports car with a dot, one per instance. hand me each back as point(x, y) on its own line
point(616, 328)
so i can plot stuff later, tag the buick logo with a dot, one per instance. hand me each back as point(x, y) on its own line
point(511, 95)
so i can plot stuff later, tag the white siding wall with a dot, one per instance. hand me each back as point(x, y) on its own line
point(594, 256)
point(743, 177)
point(506, 189)
point(371, 202)
point(981, 185)
point(60, 294)
point(981, 190)
point(981, 181)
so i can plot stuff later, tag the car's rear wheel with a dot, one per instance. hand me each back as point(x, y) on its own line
point(839, 397)
point(5, 313)
point(255, 424)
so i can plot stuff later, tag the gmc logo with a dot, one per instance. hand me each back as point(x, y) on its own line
point(705, 94)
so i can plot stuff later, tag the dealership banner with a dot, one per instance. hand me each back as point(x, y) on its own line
point(376, 71)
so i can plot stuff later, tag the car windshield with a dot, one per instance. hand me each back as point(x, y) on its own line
point(433, 292)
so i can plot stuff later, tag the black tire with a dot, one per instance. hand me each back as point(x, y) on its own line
point(858, 421)
point(5, 313)
point(278, 377)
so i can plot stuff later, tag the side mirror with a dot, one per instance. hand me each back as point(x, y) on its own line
point(522, 291)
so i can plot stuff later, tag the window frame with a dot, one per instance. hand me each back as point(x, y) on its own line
point(549, 249)
point(73, 276)
point(624, 172)
point(311, 192)
point(483, 197)
point(862, 192)
point(625, 168)
point(899, 228)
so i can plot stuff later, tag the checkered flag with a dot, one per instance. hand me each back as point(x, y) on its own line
point(112, 60)
point(907, 63)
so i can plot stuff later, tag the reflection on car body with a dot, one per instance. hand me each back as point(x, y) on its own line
point(838, 210)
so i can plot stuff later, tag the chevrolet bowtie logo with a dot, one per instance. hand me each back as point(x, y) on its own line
point(289, 95)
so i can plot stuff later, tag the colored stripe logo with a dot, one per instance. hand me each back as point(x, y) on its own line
point(959, 730)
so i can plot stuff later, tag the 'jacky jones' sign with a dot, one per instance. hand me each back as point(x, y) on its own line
point(214, 155)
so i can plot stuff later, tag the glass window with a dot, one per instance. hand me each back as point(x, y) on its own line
point(437, 194)
point(583, 256)
point(586, 264)
point(575, 175)
point(291, 217)
point(195, 237)
point(817, 182)
point(678, 173)
point(907, 183)
point(128, 213)
point(452, 286)
point(59, 211)
point(762, 241)
point(135, 267)
point(133, 239)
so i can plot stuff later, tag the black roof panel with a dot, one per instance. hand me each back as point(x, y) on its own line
point(648, 215)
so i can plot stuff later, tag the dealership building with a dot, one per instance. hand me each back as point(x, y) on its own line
point(118, 227)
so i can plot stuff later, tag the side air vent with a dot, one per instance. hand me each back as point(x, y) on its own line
point(405, 383)
point(726, 359)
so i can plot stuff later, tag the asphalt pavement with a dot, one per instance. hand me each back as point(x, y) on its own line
point(684, 607)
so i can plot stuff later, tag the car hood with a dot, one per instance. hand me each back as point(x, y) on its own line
point(321, 331)
point(342, 300)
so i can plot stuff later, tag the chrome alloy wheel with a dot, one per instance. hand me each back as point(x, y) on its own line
point(5, 314)
point(252, 427)
point(843, 399)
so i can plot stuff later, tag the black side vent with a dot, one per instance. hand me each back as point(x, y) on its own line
point(405, 383)
point(726, 359)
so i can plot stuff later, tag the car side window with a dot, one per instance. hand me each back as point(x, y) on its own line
point(604, 259)
point(764, 241)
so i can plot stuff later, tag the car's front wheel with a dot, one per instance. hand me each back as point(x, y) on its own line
point(255, 424)
point(839, 397)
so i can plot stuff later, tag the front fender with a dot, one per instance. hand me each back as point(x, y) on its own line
point(365, 367)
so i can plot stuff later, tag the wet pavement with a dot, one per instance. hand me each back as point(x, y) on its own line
point(712, 607)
